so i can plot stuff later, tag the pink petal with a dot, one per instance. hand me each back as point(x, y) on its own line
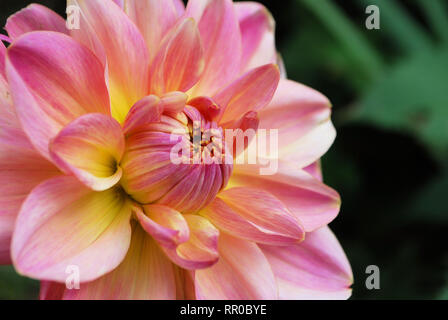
point(179, 62)
point(8, 117)
point(2, 60)
point(149, 174)
point(174, 102)
point(251, 92)
point(180, 7)
point(201, 249)
point(115, 39)
point(281, 66)
point(221, 37)
point(35, 17)
point(144, 274)
point(302, 117)
point(62, 224)
point(206, 106)
point(145, 111)
point(21, 169)
point(184, 284)
point(315, 170)
point(317, 268)
point(91, 148)
point(189, 198)
point(242, 273)
point(148, 170)
point(164, 224)
point(254, 215)
point(149, 110)
point(258, 35)
point(53, 80)
point(6, 230)
point(154, 18)
point(120, 3)
point(51, 290)
point(241, 137)
point(5, 38)
point(313, 203)
point(20, 165)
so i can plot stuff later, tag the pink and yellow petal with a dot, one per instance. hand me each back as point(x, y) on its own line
point(179, 62)
point(154, 19)
point(166, 225)
point(147, 110)
point(302, 117)
point(116, 40)
point(218, 26)
point(174, 102)
point(53, 80)
point(254, 215)
point(250, 92)
point(21, 169)
point(201, 249)
point(148, 170)
point(242, 273)
point(91, 148)
point(317, 268)
point(62, 224)
point(144, 274)
point(18, 182)
point(313, 203)
point(184, 284)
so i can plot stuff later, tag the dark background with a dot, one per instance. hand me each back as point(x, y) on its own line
point(389, 89)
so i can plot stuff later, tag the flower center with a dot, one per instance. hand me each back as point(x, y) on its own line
point(180, 161)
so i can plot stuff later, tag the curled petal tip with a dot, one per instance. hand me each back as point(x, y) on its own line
point(166, 225)
point(174, 102)
point(207, 106)
point(201, 250)
point(147, 110)
point(91, 148)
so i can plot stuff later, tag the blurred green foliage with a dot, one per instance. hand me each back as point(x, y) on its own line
point(13, 286)
point(389, 89)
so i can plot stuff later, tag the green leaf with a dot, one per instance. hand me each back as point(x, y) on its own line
point(413, 98)
point(435, 11)
point(396, 22)
point(355, 45)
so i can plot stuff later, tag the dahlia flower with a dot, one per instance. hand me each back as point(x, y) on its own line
point(87, 123)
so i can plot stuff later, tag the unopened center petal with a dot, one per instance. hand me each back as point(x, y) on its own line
point(180, 161)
